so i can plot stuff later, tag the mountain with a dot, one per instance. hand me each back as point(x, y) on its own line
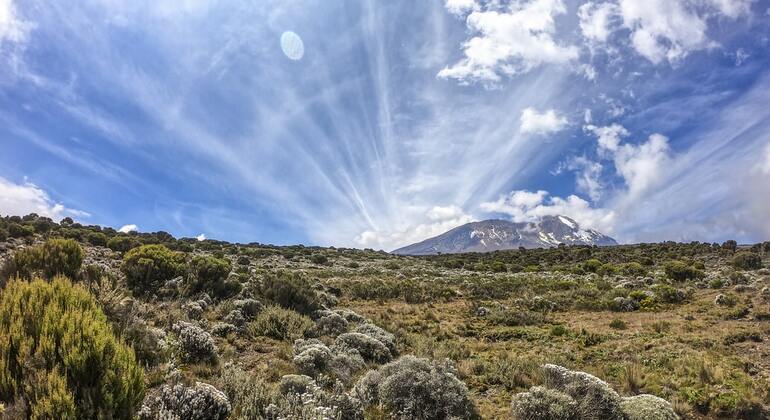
point(493, 235)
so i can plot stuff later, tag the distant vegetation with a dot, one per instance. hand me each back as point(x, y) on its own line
point(100, 324)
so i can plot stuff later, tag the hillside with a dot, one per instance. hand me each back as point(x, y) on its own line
point(219, 330)
point(497, 235)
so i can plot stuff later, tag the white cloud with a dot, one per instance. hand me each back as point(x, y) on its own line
point(460, 7)
point(201, 237)
point(587, 176)
point(22, 199)
point(732, 8)
point(128, 228)
point(596, 19)
point(438, 220)
point(527, 206)
point(546, 122)
point(642, 166)
point(12, 28)
point(609, 136)
point(512, 41)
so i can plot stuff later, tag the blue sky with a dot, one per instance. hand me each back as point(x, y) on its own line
point(380, 123)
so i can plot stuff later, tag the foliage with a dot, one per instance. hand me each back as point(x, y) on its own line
point(209, 274)
point(195, 344)
point(680, 271)
point(745, 260)
point(58, 353)
point(200, 401)
point(280, 323)
point(55, 256)
point(290, 291)
point(122, 243)
point(149, 266)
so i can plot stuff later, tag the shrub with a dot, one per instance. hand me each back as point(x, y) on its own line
point(311, 356)
point(248, 395)
point(647, 407)
point(319, 259)
point(377, 333)
point(122, 243)
point(58, 354)
point(667, 294)
point(198, 402)
point(679, 271)
point(249, 307)
point(16, 230)
point(195, 344)
point(149, 266)
point(55, 256)
point(592, 265)
point(618, 324)
point(369, 348)
point(291, 292)
point(559, 330)
point(3, 235)
point(542, 403)
point(745, 260)
point(331, 324)
point(280, 323)
point(415, 388)
point(97, 239)
point(61, 256)
point(595, 399)
point(208, 274)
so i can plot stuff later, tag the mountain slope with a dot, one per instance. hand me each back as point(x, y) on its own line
point(492, 235)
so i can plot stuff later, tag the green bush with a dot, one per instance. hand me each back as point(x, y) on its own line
point(55, 256)
point(618, 324)
point(149, 266)
point(319, 259)
point(3, 234)
point(208, 274)
point(59, 356)
point(291, 292)
point(679, 271)
point(97, 239)
point(280, 323)
point(745, 260)
point(16, 230)
point(122, 243)
point(592, 265)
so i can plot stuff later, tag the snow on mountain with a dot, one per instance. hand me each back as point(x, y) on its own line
point(493, 235)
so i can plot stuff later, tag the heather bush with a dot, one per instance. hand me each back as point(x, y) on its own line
point(745, 260)
point(680, 271)
point(209, 274)
point(16, 230)
point(195, 344)
point(149, 266)
point(200, 401)
point(248, 395)
point(249, 307)
point(58, 354)
point(291, 292)
point(369, 348)
point(97, 239)
point(415, 388)
point(280, 324)
point(122, 243)
point(54, 257)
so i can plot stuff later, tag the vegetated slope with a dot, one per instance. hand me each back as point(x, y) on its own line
point(244, 331)
point(494, 235)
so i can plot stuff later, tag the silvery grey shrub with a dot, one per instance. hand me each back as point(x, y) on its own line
point(543, 403)
point(386, 338)
point(416, 389)
point(195, 344)
point(369, 348)
point(332, 324)
point(179, 402)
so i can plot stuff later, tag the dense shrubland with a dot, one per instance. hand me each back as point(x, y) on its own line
point(209, 329)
